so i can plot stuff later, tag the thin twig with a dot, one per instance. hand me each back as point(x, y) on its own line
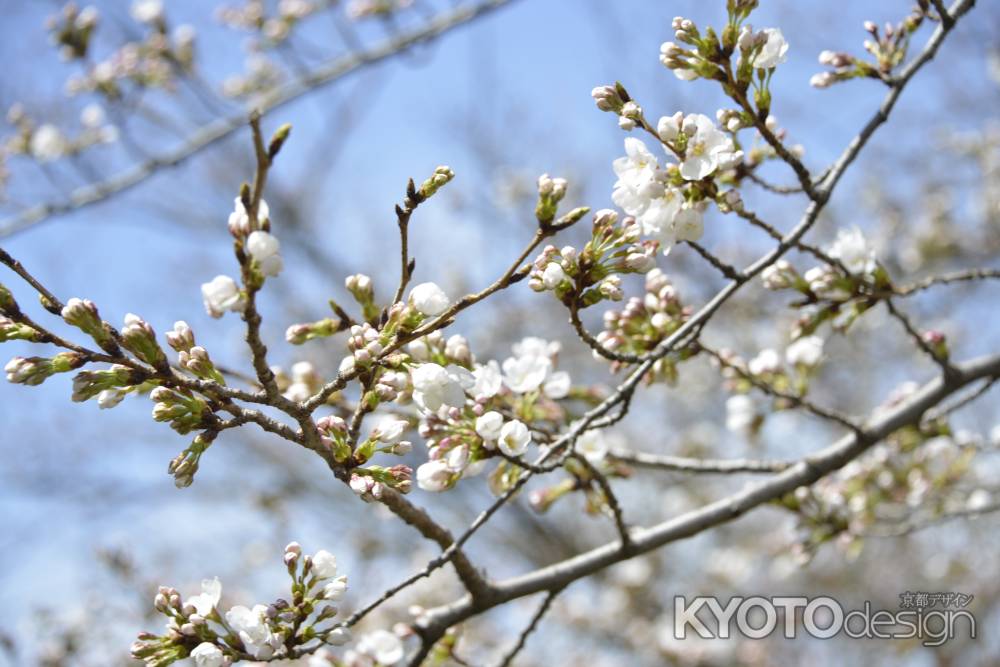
point(918, 339)
point(610, 499)
point(770, 187)
point(794, 399)
point(535, 620)
point(946, 279)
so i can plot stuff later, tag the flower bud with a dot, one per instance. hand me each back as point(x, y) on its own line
point(181, 337)
point(7, 303)
point(83, 314)
point(139, 338)
point(11, 330)
point(607, 98)
point(441, 176)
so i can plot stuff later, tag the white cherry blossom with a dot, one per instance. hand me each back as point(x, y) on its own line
point(558, 385)
point(147, 11)
point(741, 413)
point(324, 564)
point(774, 52)
point(853, 251)
point(47, 143)
point(429, 299)
point(593, 445)
point(220, 295)
point(435, 386)
point(526, 373)
point(255, 633)
point(514, 438)
point(489, 424)
point(204, 602)
point(264, 248)
point(207, 655)
point(638, 178)
point(434, 476)
point(707, 148)
point(553, 275)
point(335, 588)
point(689, 225)
point(807, 351)
point(535, 346)
point(766, 361)
point(657, 220)
point(384, 646)
point(488, 380)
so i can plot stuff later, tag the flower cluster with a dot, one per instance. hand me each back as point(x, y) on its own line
point(920, 472)
point(838, 292)
point(197, 629)
point(667, 210)
point(159, 60)
point(256, 248)
point(33, 371)
point(802, 357)
point(643, 323)
point(585, 277)
point(887, 48)
point(46, 142)
point(271, 29)
point(386, 438)
point(698, 54)
point(72, 30)
point(469, 416)
point(190, 356)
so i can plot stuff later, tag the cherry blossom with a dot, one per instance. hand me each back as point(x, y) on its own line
point(324, 564)
point(221, 294)
point(208, 655)
point(489, 424)
point(806, 351)
point(741, 413)
point(593, 445)
point(147, 11)
point(526, 373)
point(384, 646)
point(488, 380)
point(435, 386)
point(205, 602)
point(429, 299)
point(252, 627)
point(435, 476)
point(853, 251)
point(708, 148)
point(773, 52)
point(514, 438)
point(638, 178)
point(264, 248)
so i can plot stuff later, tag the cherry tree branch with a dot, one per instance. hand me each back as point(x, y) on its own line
point(699, 466)
point(802, 473)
